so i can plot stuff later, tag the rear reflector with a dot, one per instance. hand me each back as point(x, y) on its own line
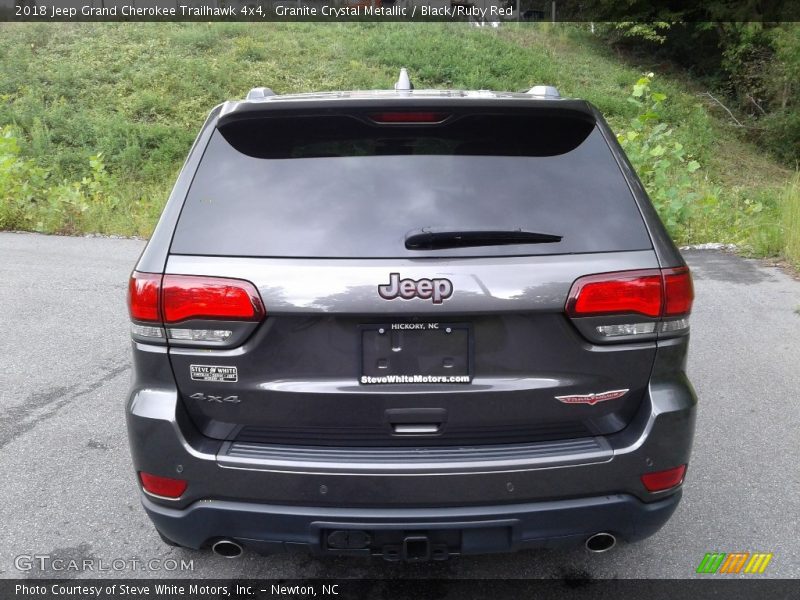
point(162, 486)
point(408, 117)
point(214, 298)
point(143, 293)
point(664, 480)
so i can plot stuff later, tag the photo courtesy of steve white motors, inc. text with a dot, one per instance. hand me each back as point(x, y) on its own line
point(194, 590)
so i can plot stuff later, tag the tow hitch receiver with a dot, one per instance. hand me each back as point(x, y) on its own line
point(393, 545)
point(416, 548)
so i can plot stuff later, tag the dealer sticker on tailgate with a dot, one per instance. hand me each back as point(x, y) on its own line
point(222, 374)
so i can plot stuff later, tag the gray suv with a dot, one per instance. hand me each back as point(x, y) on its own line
point(412, 324)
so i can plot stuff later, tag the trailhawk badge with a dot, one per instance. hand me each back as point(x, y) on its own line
point(437, 290)
point(592, 399)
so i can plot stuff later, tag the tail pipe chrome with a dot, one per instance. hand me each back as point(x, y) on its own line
point(600, 542)
point(227, 548)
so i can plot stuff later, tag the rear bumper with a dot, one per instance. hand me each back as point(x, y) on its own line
point(471, 530)
point(519, 497)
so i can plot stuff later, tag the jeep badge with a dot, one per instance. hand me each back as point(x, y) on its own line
point(436, 289)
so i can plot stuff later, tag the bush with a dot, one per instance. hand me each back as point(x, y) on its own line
point(753, 66)
point(31, 200)
point(21, 184)
point(781, 135)
point(694, 208)
point(663, 164)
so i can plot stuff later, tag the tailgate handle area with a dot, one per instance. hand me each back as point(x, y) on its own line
point(416, 421)
point(416, 428)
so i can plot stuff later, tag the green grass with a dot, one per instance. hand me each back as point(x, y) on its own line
point(137, 93)
point(791, 221)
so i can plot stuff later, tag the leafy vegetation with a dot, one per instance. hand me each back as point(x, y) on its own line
point(692, 207)
point(95, 119)
point(34, 198)
point(662, 162)
point(753, 66)
point(791, 221)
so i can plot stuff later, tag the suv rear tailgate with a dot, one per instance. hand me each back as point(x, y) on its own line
point(299, 375)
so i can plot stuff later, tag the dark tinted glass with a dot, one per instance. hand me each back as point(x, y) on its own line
point(342, 187)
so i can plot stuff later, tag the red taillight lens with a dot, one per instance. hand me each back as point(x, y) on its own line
point(664, 480)
point(652, 292)
point(616, 293)
point(192, 297)
point(679, 291)
point(162, 486)
point(408, 117)
point(143, 293)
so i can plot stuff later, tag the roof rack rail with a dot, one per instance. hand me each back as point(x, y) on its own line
point(259, 93)
point(544, 91)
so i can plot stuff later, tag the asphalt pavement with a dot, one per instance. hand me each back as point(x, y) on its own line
point(68, 490)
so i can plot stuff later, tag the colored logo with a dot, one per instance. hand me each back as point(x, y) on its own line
point(592, 399)
point(736, 562)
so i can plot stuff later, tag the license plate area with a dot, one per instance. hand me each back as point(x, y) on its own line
point(416, 353)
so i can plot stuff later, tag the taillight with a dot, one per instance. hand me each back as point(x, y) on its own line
point(155, 300)
point(636, 292)
point(388, 118)
point(165, 487)
point(212, 298)
point(143, 296)
point(678, 292)
point(664, 296)
point(659, 481)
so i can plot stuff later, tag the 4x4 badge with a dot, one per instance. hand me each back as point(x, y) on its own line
point(592, 399)
point(437, 290)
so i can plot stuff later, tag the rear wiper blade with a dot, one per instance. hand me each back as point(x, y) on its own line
point(440, 239)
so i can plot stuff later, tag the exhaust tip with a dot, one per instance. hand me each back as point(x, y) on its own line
point(227, 548)
point(600, 542)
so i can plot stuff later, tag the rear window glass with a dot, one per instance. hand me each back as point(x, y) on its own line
point(343, 187)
